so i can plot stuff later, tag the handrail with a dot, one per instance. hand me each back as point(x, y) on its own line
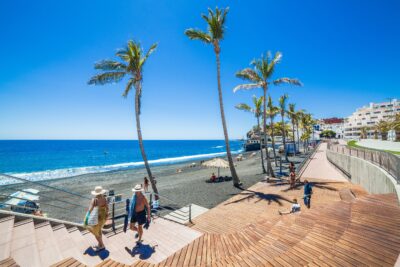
point(42, 184)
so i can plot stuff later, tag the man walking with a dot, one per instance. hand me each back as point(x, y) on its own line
point(139, 206)
point(307, 193)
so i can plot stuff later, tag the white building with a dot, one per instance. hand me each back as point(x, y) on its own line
point(333, 124)
point(368, 116)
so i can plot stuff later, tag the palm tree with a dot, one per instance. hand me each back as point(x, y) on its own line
point(292, 114)
point(214, 35)
point(299, 114)
point(272, 111)
point(257, 111)
point(306, 124)
point(396, 126)
point(260, 77)
point(130, 64)
point(383, 128)
point(364, 132)
point(282, 110)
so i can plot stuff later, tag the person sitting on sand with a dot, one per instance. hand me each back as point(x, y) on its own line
point(295, 208)
point(137, 212)
point(213, 177)
point(100, 202)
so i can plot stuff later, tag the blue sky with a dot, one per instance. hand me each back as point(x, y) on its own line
point(345, 52)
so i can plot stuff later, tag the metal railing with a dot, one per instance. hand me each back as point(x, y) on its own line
point(385, 160)
point(62, 204)
point(183, 213)
point(303, 165)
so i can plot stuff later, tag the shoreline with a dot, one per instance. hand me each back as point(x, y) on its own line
point(117, 167)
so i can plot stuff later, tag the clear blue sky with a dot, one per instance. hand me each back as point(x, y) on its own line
point(345, 52)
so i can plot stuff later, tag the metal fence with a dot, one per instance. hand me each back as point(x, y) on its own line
point(387, 161)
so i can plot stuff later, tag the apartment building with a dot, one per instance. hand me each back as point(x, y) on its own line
point(368, 116)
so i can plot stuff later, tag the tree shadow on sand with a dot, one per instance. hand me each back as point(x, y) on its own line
point(250, 194)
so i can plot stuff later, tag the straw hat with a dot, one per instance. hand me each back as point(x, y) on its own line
point(137, 188)
point(98, 190)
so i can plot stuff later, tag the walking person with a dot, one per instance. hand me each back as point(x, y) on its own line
point(139, 206)
point(292, 180)
point(307, 193)
point(98, 206)
point(146, 184)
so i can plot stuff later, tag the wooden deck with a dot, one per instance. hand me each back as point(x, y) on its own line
point(344, 227)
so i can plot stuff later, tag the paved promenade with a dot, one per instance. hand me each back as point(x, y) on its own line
point(320, 168)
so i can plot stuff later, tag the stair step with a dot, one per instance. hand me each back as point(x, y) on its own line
point(66, 244)
point(47, 245)
point(69, 262)
point(6, 225)
point(24, 243)
point(84, 245)
point(9, 262)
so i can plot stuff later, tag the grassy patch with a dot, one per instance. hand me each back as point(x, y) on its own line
point(353, 143)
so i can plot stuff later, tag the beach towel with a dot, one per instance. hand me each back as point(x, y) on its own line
point(130, 211)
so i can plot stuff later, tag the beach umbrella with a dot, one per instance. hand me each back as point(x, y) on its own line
point(216, 163)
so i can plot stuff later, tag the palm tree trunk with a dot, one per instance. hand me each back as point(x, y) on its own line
point(140, 139)
point(298, 136)
point(284, 136)
point(235, 177)
point(273, 139)
point(269, 166)
point(294, 140)
point(261, 148)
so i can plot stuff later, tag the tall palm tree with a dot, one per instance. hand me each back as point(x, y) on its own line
point(300, 114)
point(292, 114)
point(396, 126)
point(307, 124)
point(257, 111)
point(260, 76)
point(282, 110)
point(131, 60)
point(272, 111)
point(215, 34)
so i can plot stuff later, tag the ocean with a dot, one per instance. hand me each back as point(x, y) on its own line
point(38, 160)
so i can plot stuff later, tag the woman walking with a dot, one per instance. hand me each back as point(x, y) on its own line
point(99, 203)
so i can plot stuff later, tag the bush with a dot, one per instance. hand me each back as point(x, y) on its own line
point(327, 134)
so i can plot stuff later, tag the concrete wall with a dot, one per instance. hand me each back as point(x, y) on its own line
point(373, 178)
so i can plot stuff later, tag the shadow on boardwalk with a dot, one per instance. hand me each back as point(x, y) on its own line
point(259, 196)
point(299, 185)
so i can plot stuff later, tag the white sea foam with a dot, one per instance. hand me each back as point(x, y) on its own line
point(69, 172)
point(218, 147)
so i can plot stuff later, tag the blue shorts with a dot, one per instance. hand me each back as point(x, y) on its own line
point(139, 217)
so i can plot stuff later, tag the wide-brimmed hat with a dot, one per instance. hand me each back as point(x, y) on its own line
point(137, 188)
point(98, 190)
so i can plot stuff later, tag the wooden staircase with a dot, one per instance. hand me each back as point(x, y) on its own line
point(38, 242)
